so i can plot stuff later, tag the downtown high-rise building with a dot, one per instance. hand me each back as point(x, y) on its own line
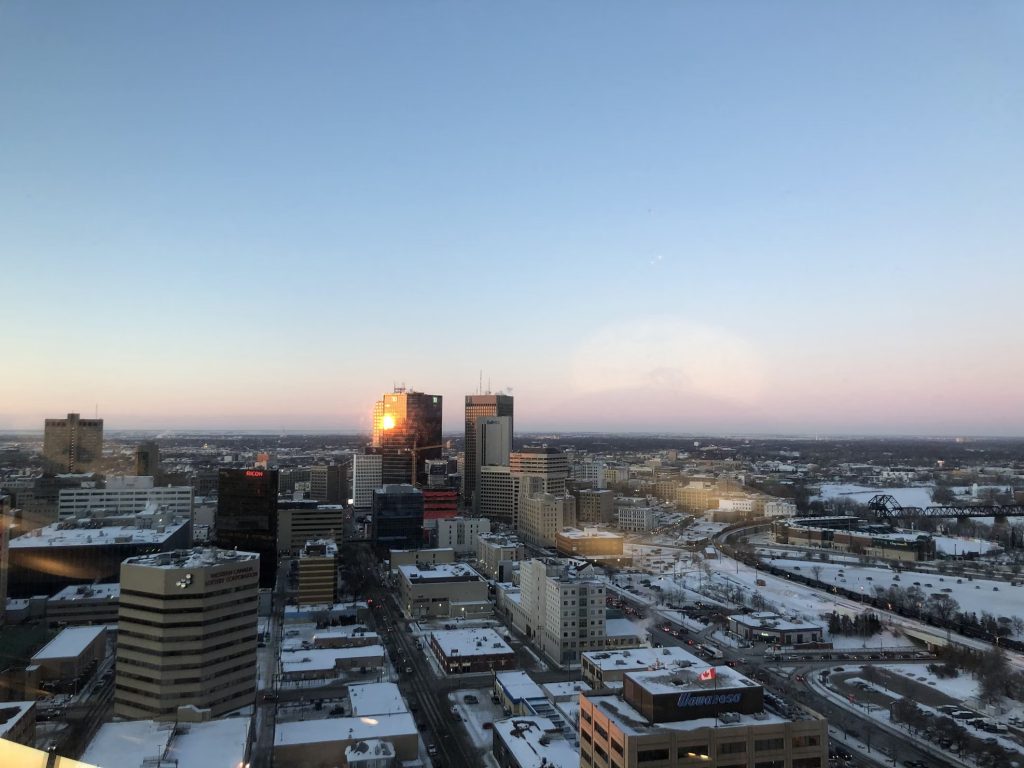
point(186, 633)
point(407, 429)
point(247, 516)
point(366, 477)
point(480, 407)
point(72, 444)
point(147, 459)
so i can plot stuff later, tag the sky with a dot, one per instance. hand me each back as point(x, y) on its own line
point(713, 217)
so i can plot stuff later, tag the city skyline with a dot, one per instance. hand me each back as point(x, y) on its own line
point(785, 218)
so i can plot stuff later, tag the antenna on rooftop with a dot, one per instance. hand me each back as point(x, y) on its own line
point(480, 384)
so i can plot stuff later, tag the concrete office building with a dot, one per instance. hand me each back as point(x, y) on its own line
point(73, 444)
point(461, 533)
point(300, 521)
point(147, 459)
point(442, 591)
point(366, 478)
point(543, 515)
point(488, 437)
point(317, 572)
point(328, 483)
point(548, 465)
point(684, 713)
point(493, 549)
point(70, 653)
point(595, 506)
point(247, 516)
point(593, 471)
point(124, 496)
point(636, 513)
point(397, 517)
point(407, 429)
point(562, 608)
point(496, 495)
point(187, 633)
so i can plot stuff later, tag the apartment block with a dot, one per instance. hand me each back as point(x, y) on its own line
point(367, 474)
point(317, 566)
point(543, 515)
point(461, 533)
point(494, 549)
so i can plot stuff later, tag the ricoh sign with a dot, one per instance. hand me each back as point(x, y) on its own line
point(695, 704)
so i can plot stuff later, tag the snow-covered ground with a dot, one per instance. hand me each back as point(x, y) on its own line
point(995, 597)
point(912, 496)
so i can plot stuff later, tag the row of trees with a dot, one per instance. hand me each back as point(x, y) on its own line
point(918, 721)
point(862, 625)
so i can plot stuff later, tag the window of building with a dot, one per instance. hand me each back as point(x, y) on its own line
point(694, 751)
point(586, 716)
point(770, 764)
point(600, 731)
point(806, 741)
point(650, 755)
point(616, 747)
point(807, 762)
point(732, 747)
point(768, 745)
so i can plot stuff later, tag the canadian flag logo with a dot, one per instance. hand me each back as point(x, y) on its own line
point(707, 674)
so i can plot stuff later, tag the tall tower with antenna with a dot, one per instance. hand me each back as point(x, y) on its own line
point(481, 405)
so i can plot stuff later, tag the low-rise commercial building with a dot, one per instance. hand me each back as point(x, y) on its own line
point(83, 604)
point(424, 558)
point(636, 514)
point(532, 742)
point(346, 636)
point(71, 652)
point(768, 627)
point(690, 714)
point(323, 743)
point(590, 544)
point(328, 663)
point(124, 496)
point(461, 651)
point(445, 591)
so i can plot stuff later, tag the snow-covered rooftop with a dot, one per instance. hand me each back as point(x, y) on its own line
point(55, 536)
point(344, 729)
point(212, 744)
point(70, 643)
point(439, 572)
point(470, 642)
point(633, 723)
point(376, 699)
point(519, 685)
point(623, 628)
point(769, 620)
point(536, 742)
point(88, 592)
point(642, 658)
point(324, 659)
point(197, 557)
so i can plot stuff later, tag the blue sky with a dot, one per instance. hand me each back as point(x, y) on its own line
point(693, 216)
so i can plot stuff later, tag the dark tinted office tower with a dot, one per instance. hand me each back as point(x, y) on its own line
point(147, 459)
point(73, 444)
point(247, 516)
point(397, 517)
point(477, 406)
point(407, 428)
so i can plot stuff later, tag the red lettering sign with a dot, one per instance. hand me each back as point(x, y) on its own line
point(253, 473)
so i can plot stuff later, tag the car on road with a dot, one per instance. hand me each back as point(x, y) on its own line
point(469, 698)
point(432, 750)
point(408, 670)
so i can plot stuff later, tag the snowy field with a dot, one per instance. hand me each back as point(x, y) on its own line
point(913, 496)
point(995, 597)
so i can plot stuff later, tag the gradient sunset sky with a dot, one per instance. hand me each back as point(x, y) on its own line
point(795, 217)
